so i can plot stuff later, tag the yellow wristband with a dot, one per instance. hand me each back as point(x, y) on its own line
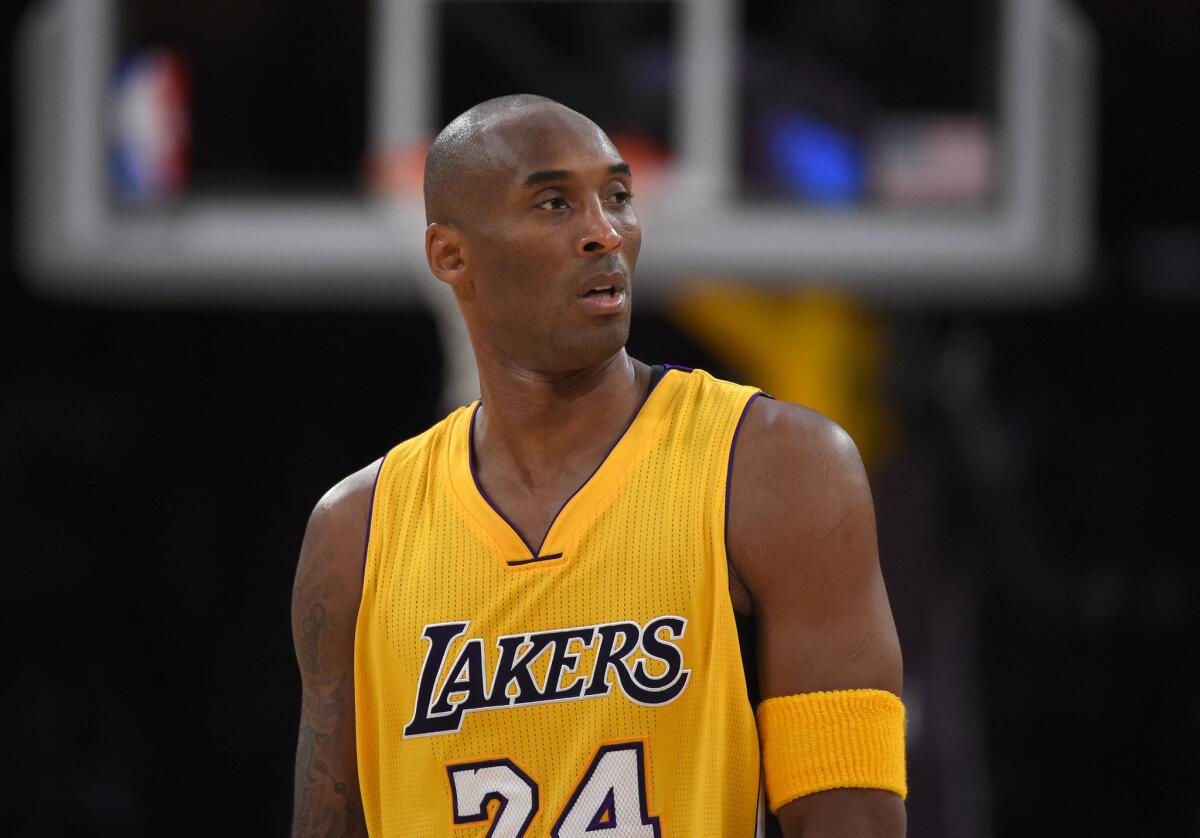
point(831, 740)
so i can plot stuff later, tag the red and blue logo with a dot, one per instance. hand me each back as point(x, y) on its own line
point(150, 129)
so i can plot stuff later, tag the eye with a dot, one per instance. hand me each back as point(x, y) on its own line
point(621, 198)
point(556, 203)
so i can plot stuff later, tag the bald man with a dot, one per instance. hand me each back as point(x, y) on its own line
point(536, 617)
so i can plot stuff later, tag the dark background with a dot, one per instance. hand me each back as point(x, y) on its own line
point(157, 465)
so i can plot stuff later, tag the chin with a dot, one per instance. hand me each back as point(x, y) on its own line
point(589, 347)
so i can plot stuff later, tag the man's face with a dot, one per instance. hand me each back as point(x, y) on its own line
point(551, 243)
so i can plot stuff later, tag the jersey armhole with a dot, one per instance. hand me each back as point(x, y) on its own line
point(767, 825)
point(733, 441)
point(370, 523)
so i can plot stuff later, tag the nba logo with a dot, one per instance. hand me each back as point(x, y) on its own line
point(150, 132)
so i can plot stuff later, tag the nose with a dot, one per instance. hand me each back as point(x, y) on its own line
point(599, 235)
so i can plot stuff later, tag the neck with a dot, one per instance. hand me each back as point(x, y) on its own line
point(536, 422)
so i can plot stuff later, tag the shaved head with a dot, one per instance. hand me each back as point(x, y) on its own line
point(460, 155)
point(530, 220)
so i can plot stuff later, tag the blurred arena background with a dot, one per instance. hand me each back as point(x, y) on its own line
point(965, 230)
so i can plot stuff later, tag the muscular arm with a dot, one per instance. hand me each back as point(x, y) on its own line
point(324, 610)
point(802, 543)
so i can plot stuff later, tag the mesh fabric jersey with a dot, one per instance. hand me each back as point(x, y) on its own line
point(593, 686)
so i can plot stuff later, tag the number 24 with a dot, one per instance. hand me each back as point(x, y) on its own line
point(610, 797)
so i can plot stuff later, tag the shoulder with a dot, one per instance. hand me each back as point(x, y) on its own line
point(343, 512)
point(331, 557)
point(796, 447)
point(347, 503)
point(796, 480)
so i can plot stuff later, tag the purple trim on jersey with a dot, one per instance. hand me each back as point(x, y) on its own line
point(474, 466)
point(729, 473)
point(520, 562)
point(677, 367)
point(761, 800)
point(473, 463)
point(483, 813)
point(370, 517)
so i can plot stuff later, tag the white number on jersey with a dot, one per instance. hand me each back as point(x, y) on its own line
point(475, 784)
point(611, 797)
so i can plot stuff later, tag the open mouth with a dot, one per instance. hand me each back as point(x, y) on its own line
point(603, 293)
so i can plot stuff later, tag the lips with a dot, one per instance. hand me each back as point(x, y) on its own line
point(599, 285)
point(604, 293)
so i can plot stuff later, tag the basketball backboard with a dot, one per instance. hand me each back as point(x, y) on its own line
point(1028, 237)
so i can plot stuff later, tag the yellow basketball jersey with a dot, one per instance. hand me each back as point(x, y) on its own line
point(593, 687)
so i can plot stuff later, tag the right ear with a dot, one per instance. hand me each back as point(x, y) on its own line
point(444, 252)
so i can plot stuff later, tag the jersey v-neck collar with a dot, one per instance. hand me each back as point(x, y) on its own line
point(582, 505)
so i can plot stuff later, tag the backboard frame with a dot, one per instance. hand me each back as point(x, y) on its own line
point(1036, 242)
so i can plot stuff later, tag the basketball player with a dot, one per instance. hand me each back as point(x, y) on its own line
point(525, 621)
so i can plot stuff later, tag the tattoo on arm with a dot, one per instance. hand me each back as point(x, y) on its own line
point(327, 801)
point(309, 642)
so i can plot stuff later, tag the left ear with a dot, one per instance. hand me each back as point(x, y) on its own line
point(445, 253)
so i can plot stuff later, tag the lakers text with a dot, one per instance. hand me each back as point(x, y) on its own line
point(468, 683)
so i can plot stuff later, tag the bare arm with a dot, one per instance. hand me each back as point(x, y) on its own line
point(324, 611)
point(802, 541)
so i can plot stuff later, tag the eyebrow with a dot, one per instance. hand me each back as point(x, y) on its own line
point(556, 175)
